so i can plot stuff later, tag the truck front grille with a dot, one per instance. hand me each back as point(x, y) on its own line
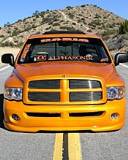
point(44, 84)
point(66, 91)
point(85, 96)
point(80, 83)
point(44, 96)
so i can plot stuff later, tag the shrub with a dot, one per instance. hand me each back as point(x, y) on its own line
point(36, 13)
point(42, 13)
point(14, 33)
point(27, 28)
point(19, 20)
point(123, 27)
point(7, 24)
point(97, 16)
point(1, 36)
point(108, 32)
point(83, 6)
point(20, 44)
point(69, 7)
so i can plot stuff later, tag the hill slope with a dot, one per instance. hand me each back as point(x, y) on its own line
point(87, 18)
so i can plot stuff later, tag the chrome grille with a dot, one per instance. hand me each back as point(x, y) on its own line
point(44, 84)
point(80, 91)
point(80, 83)
point(85, 96)
point(44, 96)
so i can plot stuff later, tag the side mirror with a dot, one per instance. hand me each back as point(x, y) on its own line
point(120, 58)
point(8, 58)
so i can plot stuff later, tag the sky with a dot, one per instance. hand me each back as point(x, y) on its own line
point(13, 10)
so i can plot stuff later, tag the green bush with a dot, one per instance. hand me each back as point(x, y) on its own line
point(14, 33)
point(36, 13)
point(20, 44)
point(123, 27)
point(83, 6)
point(108, 32)
point(69, 7)
point(7, 24)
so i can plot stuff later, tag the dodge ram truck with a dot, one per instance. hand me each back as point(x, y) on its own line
point(64, 81)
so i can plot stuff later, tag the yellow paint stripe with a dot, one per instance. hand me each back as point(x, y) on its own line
point(74, 147)
point(58, 147)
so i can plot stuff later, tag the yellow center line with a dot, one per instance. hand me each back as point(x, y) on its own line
point(74, 147)
point(58, 147)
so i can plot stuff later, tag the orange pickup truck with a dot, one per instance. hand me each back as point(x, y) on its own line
point(64, 81)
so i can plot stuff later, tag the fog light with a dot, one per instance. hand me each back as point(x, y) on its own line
point(114, 116)
point(15, 117)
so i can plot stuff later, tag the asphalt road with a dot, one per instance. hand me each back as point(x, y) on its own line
point(23, 146)
point(40, 146)
point(109, 145)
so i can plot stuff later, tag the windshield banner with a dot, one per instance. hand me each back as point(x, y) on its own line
point(61, 58)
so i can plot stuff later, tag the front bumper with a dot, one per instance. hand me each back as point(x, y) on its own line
point(27, 123)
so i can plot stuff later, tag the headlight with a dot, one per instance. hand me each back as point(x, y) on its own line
point(115, 93)
point(13, 93)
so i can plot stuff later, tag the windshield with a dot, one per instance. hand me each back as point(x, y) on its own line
point(40, 50)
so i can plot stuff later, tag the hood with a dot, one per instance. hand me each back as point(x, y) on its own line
point(99, 70)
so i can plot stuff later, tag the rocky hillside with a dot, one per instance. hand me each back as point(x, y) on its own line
point(87, 18)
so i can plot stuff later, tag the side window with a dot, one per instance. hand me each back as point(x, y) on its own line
point(102, 52)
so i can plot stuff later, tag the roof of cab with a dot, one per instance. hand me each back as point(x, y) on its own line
point(66, 34)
